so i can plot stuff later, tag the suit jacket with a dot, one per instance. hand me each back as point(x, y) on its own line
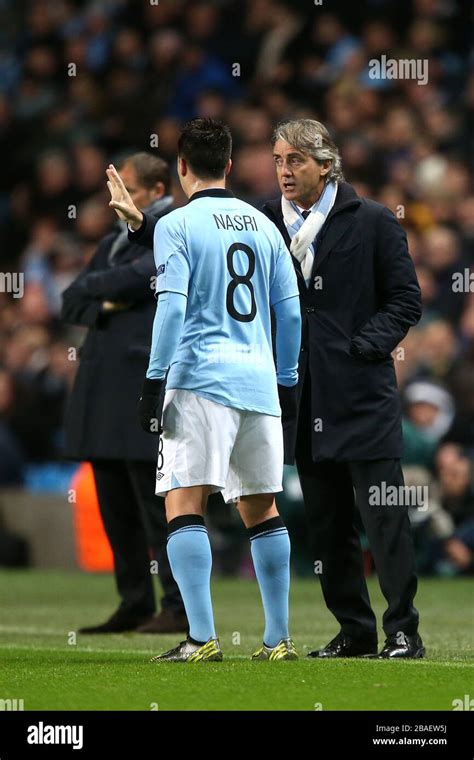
point(362, 298)
point(102, 413)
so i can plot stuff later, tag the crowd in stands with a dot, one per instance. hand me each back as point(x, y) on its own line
point(82, 84)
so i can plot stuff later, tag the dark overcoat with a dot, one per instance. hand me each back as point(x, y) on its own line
point(362, 298)
point(102, 414)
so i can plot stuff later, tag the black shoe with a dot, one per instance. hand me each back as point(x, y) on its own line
point(167, 621)
point(347, 646)
point(117, 623)
point(400, 646)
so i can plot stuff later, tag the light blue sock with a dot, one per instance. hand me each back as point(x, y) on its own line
point(189, 553)
point(270, 545)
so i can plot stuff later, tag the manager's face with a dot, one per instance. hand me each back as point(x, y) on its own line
point(300, 177)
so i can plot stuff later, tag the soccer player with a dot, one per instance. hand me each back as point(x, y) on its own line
point(221, 265)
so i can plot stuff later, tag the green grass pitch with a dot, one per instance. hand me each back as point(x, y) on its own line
point(41, 665)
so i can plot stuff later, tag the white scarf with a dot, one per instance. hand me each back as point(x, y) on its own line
point(303, 231)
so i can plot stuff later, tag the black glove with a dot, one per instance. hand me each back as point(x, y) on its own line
point(288, 402)
point(289, 411)
point(150, 407)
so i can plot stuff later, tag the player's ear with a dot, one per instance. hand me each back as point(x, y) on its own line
point(228, 167)
point(182, 167)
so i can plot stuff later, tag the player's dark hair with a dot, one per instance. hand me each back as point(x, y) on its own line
point(206, 145)
point(150, 169)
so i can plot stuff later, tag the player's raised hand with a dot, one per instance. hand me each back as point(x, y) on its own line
point(120, 199)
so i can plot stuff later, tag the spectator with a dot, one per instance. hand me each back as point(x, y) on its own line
point(457, 494)
point(11, 457)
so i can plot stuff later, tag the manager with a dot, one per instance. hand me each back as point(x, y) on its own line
point(359, 296)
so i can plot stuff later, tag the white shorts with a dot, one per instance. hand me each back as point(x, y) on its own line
point(205, 443)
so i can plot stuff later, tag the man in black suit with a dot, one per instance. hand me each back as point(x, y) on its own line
point(359, 296)
point(113, 297)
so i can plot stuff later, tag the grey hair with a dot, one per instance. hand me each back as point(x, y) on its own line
point(310, 136)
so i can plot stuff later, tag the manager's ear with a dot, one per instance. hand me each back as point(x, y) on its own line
point(325, 167)
point(228, 168)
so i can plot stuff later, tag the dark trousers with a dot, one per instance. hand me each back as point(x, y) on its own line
point(332, 493)
point(135, 522)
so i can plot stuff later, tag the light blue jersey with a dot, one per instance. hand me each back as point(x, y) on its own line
point(231, 264)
